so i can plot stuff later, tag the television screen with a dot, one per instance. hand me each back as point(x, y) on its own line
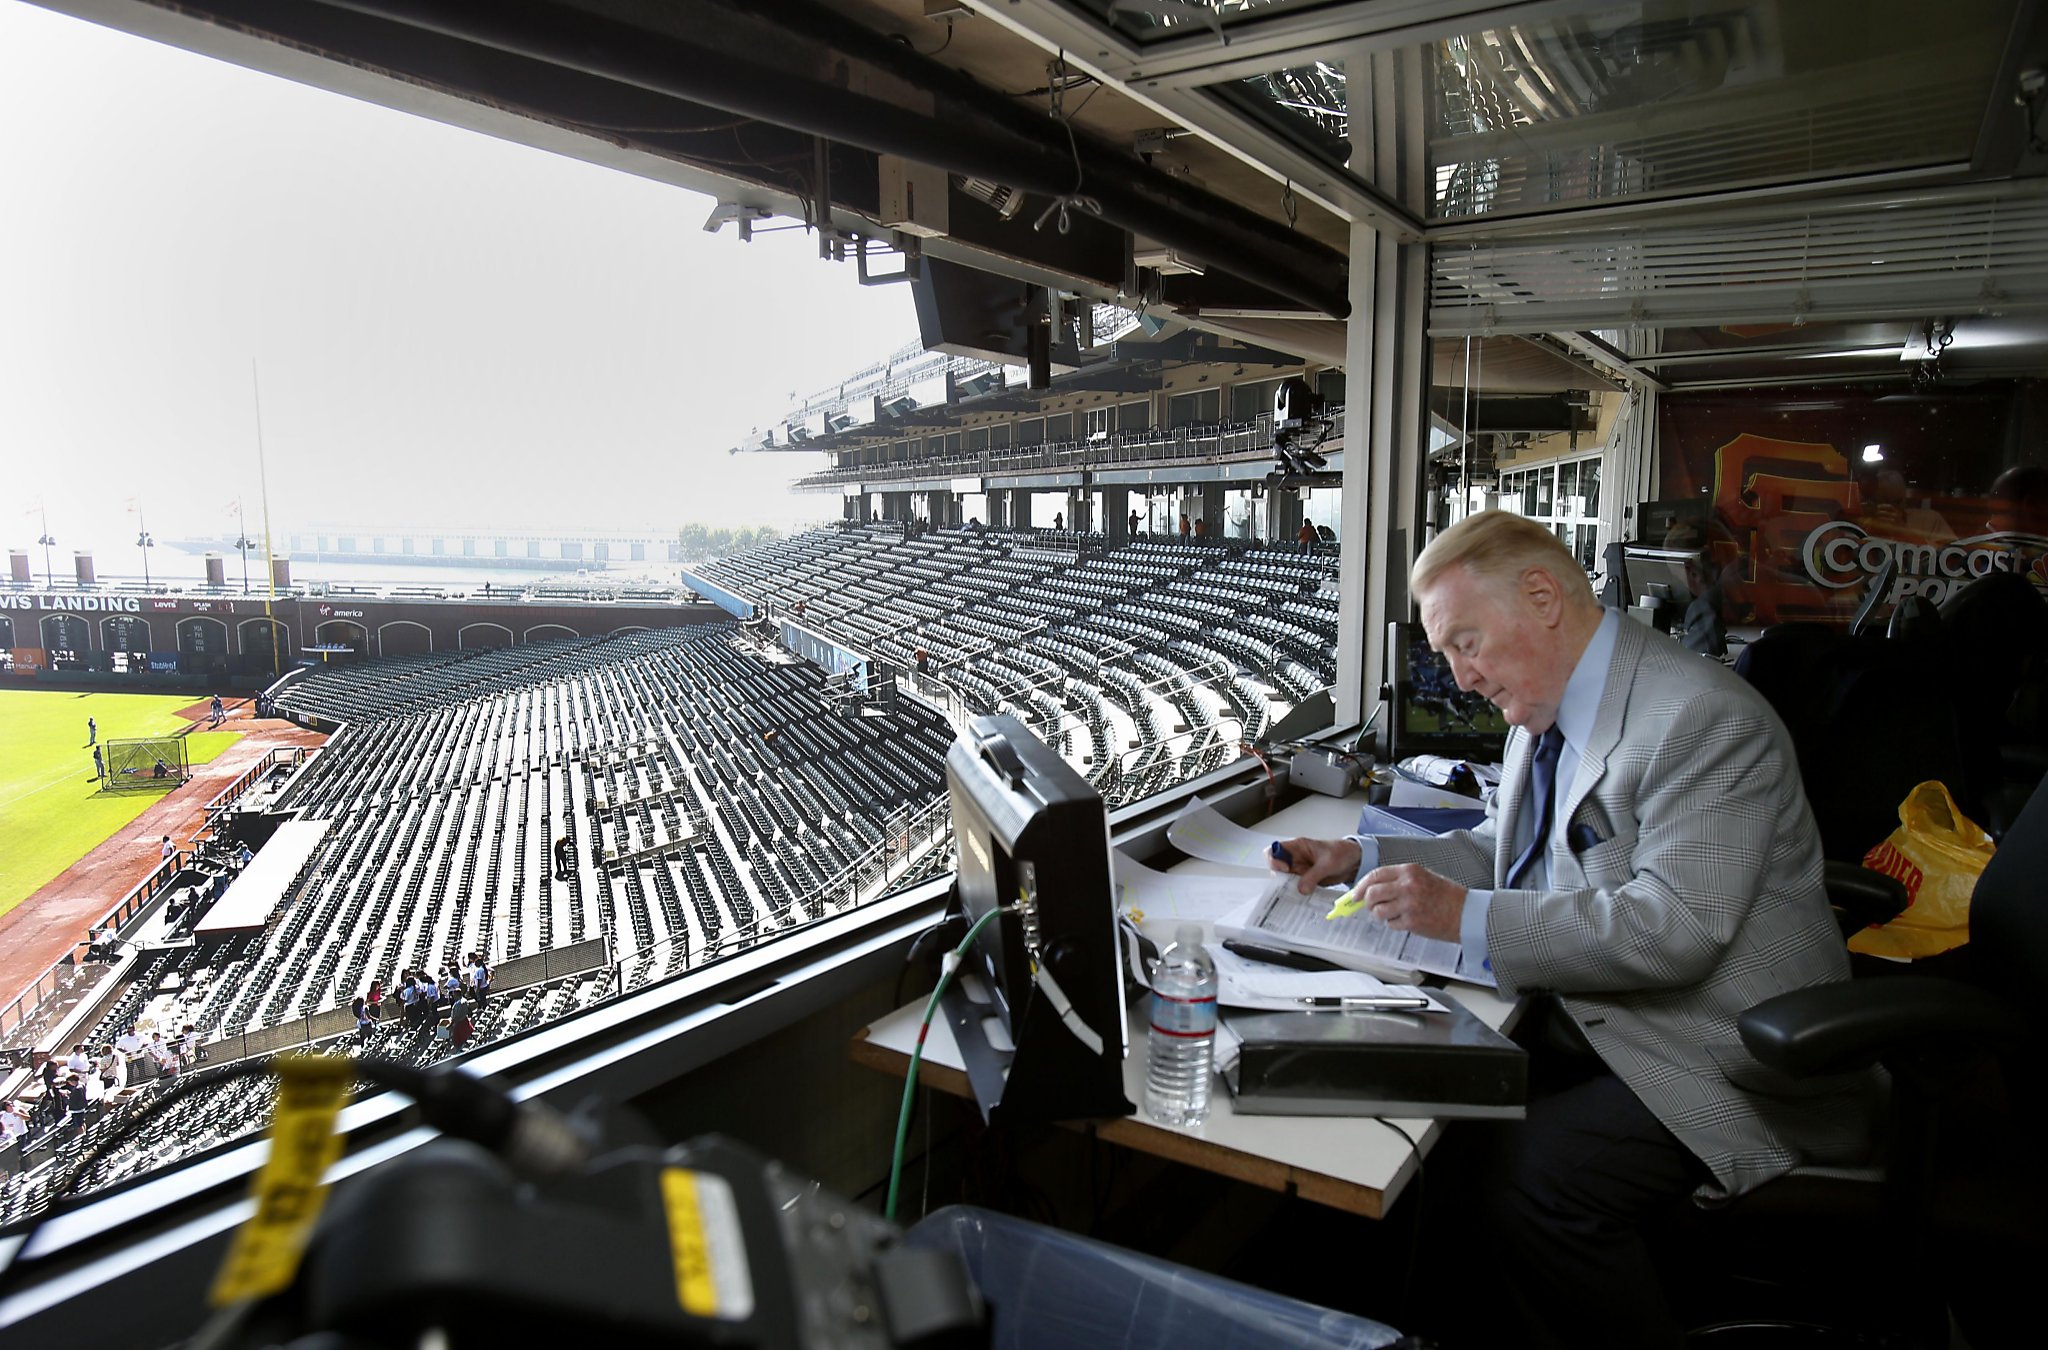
point(1431, 714)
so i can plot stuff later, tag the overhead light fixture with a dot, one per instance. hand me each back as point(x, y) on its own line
point(1873, 453)
point(1007, 201)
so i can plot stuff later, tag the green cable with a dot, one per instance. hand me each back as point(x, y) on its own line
point(917, 1056)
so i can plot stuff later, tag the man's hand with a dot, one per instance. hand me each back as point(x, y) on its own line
point(1318, 862)
point(1410, 897)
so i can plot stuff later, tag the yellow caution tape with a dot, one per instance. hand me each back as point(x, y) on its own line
point(713, 1277)
point(264, 1256)
point(694, 1285)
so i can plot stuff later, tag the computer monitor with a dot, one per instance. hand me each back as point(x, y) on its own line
point(1037, 1009)
point(1430, 714)
point(1662, 577)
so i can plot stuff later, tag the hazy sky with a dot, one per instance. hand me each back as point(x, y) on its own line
point(451, 330)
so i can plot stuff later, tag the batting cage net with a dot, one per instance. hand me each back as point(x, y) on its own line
point(144, 761)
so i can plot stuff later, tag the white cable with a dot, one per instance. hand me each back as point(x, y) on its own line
point(1086, 1034)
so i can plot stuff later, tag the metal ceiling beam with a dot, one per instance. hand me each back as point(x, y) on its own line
point(802, 67)
point(1595, 357)
point(1108, 57)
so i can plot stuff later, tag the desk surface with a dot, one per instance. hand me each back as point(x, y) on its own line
point(1352, 1163)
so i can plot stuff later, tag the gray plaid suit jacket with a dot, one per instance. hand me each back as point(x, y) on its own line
point(1701, 897)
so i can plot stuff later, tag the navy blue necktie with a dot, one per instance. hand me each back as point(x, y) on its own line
point(1542, 788)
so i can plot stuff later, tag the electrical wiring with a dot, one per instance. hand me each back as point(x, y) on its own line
point(947, 968)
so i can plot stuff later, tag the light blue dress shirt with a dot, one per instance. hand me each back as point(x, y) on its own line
point(1576, 713)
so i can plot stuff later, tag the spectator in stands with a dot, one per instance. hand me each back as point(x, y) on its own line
point(128, 1045)
point(78, 1061)
point(168, 849)
point(409, 995)
point(13, 1124)
point(460, 1025)
point(1307, 537)
point(924, 661)
point(1059, 520)
point(52, 1106)
point(243, 857)
point(109, 1066)
point(1134, 524)
point(1186, 527)
point(451, 985)
point(373, 999)
point(52, 1066)
point(193, 1050)
point(479, 977)
point(75, 1098)
point(366, 1021)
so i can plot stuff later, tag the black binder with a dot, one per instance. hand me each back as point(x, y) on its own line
point(1357, 1063)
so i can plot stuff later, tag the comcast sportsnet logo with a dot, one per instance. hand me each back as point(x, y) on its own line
point(1841, 554)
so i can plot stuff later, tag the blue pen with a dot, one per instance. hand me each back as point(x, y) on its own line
point(1279, 854)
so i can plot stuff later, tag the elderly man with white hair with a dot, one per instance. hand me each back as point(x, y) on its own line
point(1648, 870)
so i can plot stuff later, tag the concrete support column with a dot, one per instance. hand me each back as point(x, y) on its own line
point(1116, 513)
point(853, 508)
point(895, 505)
point(1386, 382)
point(1080, 509)
point(1212, 511)
point(1282, 514)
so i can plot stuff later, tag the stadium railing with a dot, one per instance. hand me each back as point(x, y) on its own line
point(127, 908)
point(293, 755)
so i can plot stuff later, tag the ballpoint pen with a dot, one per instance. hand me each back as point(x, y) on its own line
point(1373, 1002)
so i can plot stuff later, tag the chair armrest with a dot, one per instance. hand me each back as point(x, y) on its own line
point(1836, 1028)
point(1862, 897)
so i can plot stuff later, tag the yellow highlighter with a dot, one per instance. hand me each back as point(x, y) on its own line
point(1348, 903)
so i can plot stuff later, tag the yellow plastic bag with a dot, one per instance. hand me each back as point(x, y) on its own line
point(1936, 853)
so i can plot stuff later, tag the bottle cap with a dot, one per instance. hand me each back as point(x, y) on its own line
point(1188, 935)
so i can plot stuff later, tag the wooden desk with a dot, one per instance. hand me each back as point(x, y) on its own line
point(1357, 1164)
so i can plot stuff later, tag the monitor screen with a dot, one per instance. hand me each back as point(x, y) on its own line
point(1032, 833)
point(1431, 715)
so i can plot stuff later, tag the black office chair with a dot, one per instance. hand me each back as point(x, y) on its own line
point(1871, 717)
point(1953, 1222)
point(1994, 632)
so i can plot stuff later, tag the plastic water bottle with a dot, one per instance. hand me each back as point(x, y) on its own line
point(1183, 1041)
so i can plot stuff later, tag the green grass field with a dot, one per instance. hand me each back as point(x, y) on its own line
point(51, 810)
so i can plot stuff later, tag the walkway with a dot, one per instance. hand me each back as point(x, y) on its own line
point(38, 932)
